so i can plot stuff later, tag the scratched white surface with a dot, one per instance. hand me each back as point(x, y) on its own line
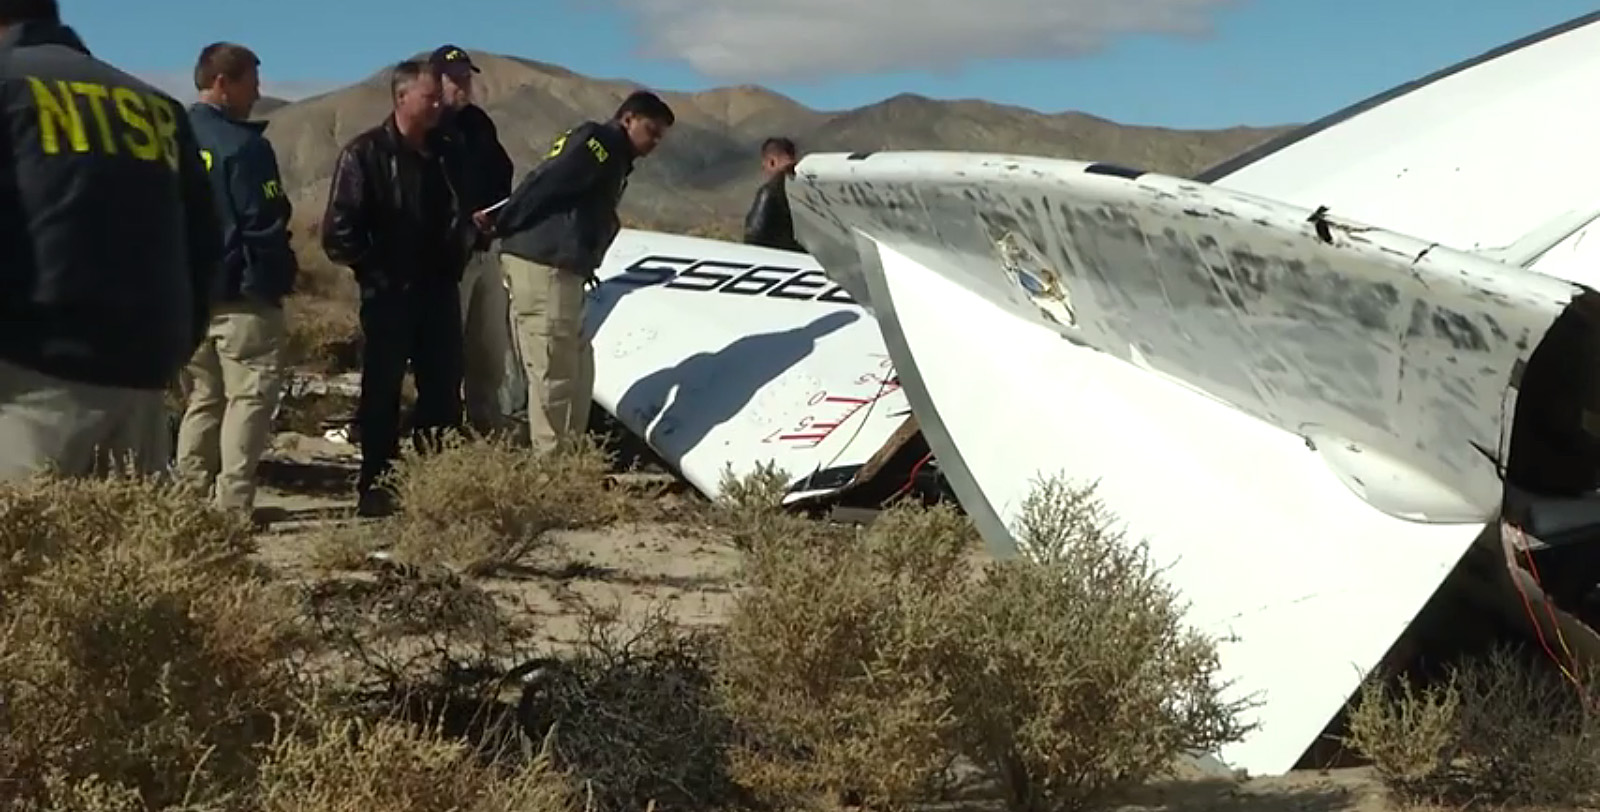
point(1312, 583)
point(1475, 160)
point(714, 380)
point(1391, 353)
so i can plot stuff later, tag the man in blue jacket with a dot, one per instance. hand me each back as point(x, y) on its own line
point(236, 376)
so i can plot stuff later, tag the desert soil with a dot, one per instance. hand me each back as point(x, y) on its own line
point(632, 569)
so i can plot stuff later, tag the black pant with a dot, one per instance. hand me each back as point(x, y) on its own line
point(421, 326)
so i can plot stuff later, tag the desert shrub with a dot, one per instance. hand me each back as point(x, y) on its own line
point(324, 334)
point(1078, 678)
point(143, 656)
point(633, 711)
point(354, 766)
point(415, 634)
point(1503, 728)
point(832, 659)
point(750, 507)
point(482, 504)
point(312, 413)
point(725, 230)
point(863, 664)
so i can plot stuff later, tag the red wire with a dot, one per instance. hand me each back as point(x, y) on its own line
point(1533, 617)
point(911, 479)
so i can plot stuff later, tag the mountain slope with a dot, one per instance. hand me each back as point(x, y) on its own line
point(707, 169)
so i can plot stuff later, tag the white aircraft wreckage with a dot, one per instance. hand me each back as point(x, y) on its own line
point(723, 357)
point(1348, 365)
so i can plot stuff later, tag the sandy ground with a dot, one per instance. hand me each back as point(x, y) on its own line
point(632, 569)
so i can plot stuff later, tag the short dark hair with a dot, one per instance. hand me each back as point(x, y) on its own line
point(225, 60)
point(778, 145)
point(23, 11)
point(406, 72)
point(647, 105)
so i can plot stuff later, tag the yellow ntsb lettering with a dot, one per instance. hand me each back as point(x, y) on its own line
point(144, 124)
point(58, 116)
point(560, 144)
point(206, 158)
point(97, 96)
point(165, 118)
point(600, 153)
point(272, 189)
point(141, 140)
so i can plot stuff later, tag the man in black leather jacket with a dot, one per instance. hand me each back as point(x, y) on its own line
point(395, 219)
point(555, 230)
point(109, 245)
point(485, 171)
point(769, 222)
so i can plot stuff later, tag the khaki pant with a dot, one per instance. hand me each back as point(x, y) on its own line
point(77, 429)
point(233, 383)
point(486, 335)
point(547, 306)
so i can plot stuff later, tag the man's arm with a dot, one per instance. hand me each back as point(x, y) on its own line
point(499, 161)
point(758, 221)
point(572, 167)
point(345, 238)
point(259, 213)
point(204, 228)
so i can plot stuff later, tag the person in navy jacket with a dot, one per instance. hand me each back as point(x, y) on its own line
point(236, 376)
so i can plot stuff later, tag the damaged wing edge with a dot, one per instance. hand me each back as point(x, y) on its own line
point(986, 460)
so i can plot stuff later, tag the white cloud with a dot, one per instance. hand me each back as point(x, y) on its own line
point(763, 40)
point(181, 85)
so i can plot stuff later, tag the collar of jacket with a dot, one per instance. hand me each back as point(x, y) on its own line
point(614, 127)
point(434, 138)
point(37, 32)
point(216, 112)
point(454, 115)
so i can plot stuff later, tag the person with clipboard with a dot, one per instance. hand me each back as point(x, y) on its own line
point(554, 230)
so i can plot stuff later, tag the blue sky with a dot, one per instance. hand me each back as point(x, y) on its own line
point(1180, 63)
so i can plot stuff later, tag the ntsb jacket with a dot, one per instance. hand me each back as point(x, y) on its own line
point(109, 239)
point(484, 168)
point(258, 263)
point(564, 213)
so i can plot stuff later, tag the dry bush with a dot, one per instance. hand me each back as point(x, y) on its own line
point(630, 711)
point(346, 547)
point(323, 313)
point(633, 711)
point(1079, 679)
point(411, 635)
point(324, 334)
point(750, 508)
point(312, 413)
point(1502, 729)
point(351, 766)
point(143, 655)
point(832, 659)
point(724, 230)
point(861, 664)
point(482, 505)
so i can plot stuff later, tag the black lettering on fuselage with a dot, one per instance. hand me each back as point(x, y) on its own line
point(733, 278)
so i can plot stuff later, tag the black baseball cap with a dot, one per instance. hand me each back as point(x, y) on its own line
point(450, 56)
